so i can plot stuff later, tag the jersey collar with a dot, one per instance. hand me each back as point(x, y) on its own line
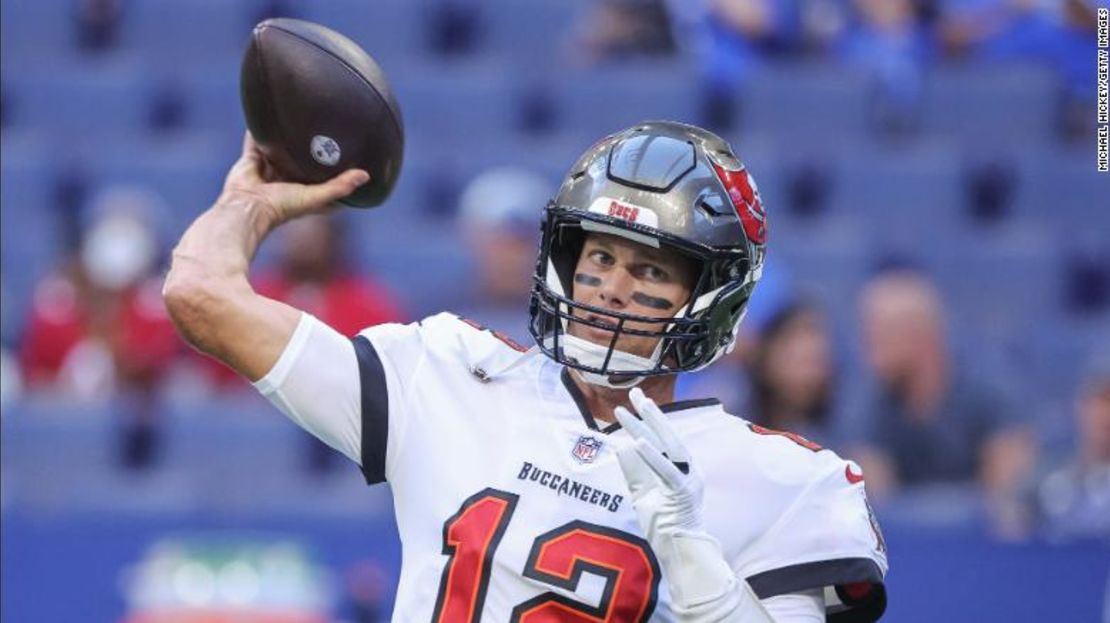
point(584, 411)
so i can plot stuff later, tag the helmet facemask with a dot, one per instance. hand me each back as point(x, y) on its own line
point(669, 186)
point(695, 336)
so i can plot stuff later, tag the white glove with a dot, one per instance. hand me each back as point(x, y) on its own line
point(667, 495)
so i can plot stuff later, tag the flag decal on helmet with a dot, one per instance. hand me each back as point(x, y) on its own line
point(745, 198)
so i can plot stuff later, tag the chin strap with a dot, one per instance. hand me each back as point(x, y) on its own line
point(593, 355)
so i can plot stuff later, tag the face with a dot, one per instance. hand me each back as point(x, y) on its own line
point(901, 325)
point(505, 261)
point(889, 351)
point(309, 246)
point(798, 360)
point(616, 274)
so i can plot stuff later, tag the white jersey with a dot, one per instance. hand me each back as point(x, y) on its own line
point(509, 499)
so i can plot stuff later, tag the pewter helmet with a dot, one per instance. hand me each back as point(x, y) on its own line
point(667, 185)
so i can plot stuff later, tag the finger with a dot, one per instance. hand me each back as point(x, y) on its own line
point(657, 422)
point(636, 427)
point(667, 472)
point(249, 145)
point(336, 188)
point(250, 152)
point(637, 473)
point(248, 166)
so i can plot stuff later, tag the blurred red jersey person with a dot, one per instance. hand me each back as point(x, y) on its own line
point(313, 272)
point(97, 325)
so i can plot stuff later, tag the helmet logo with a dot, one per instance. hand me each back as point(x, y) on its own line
point(745, 198)
point(625, 211)
point(628, 213)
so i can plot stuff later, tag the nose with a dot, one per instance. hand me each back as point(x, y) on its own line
point(616, 289)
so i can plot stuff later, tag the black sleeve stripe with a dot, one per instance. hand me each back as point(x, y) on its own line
point(824, 573)
point(375, 410)
point(814, 575)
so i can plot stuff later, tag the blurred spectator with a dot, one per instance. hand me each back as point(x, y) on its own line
point(1058, 34)
point(822, 23)
point(96, 321)
point(728, 380)
point(890, 44)
point(932, 418)
point(500, 216)
point(622, 29)
point(732, 37)
point(98, 24)
point(97, 325)
point(1074, 499)
point(791, 373)
point(314, 273)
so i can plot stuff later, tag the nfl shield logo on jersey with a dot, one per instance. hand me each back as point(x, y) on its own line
point(585, 451)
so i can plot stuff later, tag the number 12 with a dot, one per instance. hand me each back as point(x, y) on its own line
point(558, 557)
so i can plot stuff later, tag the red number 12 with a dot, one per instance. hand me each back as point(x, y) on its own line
point(559, 557)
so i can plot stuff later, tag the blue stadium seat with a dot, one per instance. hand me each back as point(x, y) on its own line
point(529, 29)
point(1062, 188)
point(610, 98)
point(997, 103)
point(187, 172)
point(427, 263)
point(31, 237)
point(1002, 283)
point(828, 258)
point(908, 201)
point(456, 101)
point(31, 30)
point(212, 101)
point(392, 31)
point(86, 100)
point(805, 101)
point(178, 35)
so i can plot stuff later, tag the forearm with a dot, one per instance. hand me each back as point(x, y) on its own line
point(221, 243)
point(209, 297)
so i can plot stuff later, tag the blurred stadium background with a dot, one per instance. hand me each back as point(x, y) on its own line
point(955, 137)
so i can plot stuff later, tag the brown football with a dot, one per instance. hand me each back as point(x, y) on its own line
point(317, 105)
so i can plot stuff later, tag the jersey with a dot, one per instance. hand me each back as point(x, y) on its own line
point(509, 500)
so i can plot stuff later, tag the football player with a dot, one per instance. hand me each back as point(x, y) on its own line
point(562, 482)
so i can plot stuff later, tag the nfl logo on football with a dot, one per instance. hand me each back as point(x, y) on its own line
point(585, 451)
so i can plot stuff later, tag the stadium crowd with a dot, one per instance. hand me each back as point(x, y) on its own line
point(888, 370)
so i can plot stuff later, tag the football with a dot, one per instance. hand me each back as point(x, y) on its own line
point(317, 105)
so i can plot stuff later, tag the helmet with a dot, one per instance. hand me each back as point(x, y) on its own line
point(666, 185)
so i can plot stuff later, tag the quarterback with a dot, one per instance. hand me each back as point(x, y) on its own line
point(562, 482)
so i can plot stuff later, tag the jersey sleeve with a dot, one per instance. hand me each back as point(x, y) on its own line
point(315, 383)
point(353, 394)
point(828, 539)
point(391, 358)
